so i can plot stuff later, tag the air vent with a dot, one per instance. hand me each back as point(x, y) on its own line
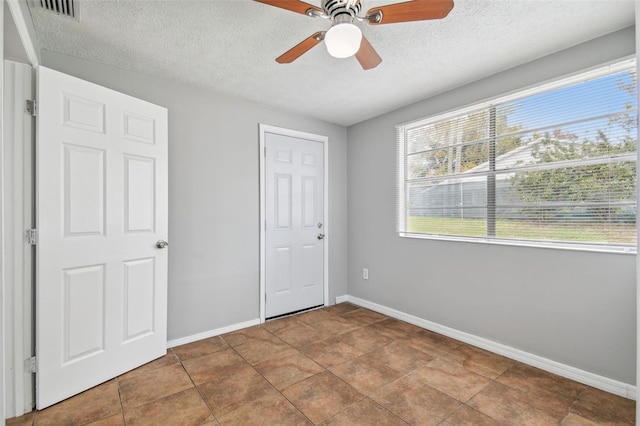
point(67, 8)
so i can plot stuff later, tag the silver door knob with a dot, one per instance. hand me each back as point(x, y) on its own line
point(162, 244)
point(321, 236)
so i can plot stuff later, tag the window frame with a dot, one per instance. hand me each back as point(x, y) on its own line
point(402, 157)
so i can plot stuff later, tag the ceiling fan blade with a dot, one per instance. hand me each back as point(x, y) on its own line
point(416, 10)
point(367, 55)
point(292, 5)
point(301, 48)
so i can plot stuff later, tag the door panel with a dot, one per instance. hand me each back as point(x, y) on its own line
point(83, 191)
point(140, 189)
point(294, 187)
point(101, 295)
point(83, 308)
point(138, 298)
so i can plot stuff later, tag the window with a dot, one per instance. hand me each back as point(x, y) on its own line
point(554, 165)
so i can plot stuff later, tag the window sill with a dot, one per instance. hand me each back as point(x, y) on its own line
point(629, 250)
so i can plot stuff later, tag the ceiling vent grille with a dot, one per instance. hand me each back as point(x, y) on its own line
point(67, 8)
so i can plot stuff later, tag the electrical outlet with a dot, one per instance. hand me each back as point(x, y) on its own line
point(365, 274)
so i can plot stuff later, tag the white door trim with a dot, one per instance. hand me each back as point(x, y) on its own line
point(18, 255)
point(324, 140)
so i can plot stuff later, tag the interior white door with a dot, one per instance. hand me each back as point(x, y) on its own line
point(101, 292)
point(294, 238)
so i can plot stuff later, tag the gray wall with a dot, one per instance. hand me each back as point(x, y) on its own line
point(214, 195)
point(13, 49)
point(576, 308)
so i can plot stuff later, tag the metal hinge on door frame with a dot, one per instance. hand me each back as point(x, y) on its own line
point(31, 107)
point(31, 236)
point(31, 365)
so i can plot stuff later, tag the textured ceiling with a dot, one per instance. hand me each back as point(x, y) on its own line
point(229, 46)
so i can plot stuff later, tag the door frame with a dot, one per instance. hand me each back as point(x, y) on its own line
point(21, 330)
point(324, 140)
point(18, 216)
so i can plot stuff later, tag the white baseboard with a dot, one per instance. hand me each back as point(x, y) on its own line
point(591, 379)
point(211, 333)
point(341, 299)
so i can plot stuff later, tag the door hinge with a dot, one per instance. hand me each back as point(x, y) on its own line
point(31, 236)
point(31, 365)
point(31, 107)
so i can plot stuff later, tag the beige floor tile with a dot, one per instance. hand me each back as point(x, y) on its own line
point(480, 361)
point(183, 408)
point(259, 350)
point(24, 420)
point(364, 317)
point(365, 339)
point(228, 393)
point(156, 384)
point(364, 413)
point(335, 326)
point(313, 316)
point(560, 393)
point(602, 407)
point(415, 402)
point(425, 344)
point(287, 368)
point(401, 357)
point(576, 420)
point(200, 348)
point(466, 416)
point(271, 410)
point(282, 324)
point(218, 364)
point(94, 404)
point(321, 396)
point(341, 308)
point(302, 336)
point(366, 374)
point(451, 379)
point(439, 341)
point(169, 359)
point(115, 420)
point(511, 406)
point(245, 335)
point(394, 328)
point(330, 352)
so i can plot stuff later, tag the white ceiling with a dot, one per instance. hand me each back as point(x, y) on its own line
point(230, 46)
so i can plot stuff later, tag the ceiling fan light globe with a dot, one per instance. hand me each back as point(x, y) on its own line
point(343, 40)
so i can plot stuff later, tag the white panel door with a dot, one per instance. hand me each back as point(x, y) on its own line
point(101, 292)
point(294, 244)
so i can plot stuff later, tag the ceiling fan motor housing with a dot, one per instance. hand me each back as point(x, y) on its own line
point(341, 11)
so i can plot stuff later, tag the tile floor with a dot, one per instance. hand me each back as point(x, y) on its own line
point(341, 365)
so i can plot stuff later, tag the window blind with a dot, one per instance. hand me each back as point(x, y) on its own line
point(553, 164)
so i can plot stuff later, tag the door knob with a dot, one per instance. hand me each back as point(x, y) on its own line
point(321, 236)
point(162, 244)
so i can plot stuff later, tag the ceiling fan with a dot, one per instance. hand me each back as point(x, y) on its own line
point(344, 38)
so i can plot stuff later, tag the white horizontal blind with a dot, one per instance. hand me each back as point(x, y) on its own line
point(557, 164)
